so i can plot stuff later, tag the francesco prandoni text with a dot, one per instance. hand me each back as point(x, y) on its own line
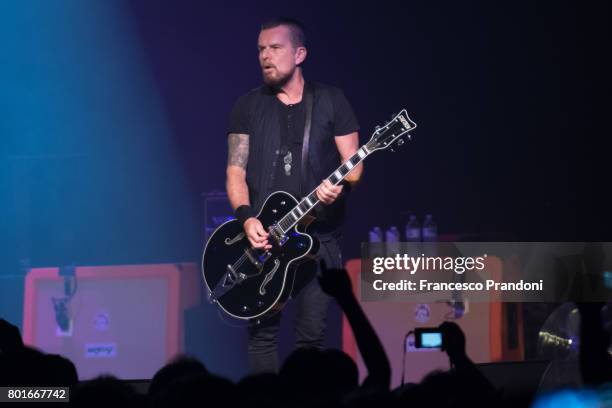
point(459, 265)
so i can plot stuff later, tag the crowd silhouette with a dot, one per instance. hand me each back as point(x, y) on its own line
point(309, 377)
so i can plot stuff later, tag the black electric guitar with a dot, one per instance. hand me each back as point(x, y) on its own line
point(248, 283)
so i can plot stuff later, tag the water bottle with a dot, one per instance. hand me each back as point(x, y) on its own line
point(430, 236)
point(392, 234)
point(392, 238)
point(413, 230)
point(375, 239)
point(413, 237)
point(375, 235)
point(430, 229)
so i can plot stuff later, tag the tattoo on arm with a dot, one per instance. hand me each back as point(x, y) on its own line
point(238, 150)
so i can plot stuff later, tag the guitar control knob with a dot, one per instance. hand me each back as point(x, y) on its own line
point(244, 308)
point(260, 303)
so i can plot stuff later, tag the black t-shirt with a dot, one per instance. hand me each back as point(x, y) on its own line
point(287, 176)
point(276, 129)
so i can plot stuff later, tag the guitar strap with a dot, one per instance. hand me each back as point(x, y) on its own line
point(308, 104)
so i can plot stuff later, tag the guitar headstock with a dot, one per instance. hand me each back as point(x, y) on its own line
point(391, 133)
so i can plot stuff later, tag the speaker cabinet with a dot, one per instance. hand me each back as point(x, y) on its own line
point(493, 330)
point(124, 320)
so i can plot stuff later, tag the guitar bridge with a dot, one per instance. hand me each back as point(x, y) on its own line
point(278, 236)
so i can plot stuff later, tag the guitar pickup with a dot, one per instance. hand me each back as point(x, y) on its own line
point(252, 258)
point(257, 260)
point(278, 237)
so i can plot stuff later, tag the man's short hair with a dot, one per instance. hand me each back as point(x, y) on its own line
point(298, 38)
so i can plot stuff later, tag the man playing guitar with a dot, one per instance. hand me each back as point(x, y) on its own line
point(289, 135)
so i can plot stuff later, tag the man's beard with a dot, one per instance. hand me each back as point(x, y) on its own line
point(278, 82)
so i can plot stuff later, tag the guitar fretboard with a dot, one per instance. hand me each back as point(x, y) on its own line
point(311, 200)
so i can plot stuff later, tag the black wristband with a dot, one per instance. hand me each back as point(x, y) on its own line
point(243, 213)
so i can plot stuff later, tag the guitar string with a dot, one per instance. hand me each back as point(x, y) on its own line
point(287, 221)
point(290, 223)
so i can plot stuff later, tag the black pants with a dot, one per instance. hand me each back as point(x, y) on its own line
point(312, 305)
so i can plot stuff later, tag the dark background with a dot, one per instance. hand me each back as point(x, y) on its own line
point(511, 101)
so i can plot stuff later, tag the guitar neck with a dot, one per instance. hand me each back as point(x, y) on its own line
point(310, 201)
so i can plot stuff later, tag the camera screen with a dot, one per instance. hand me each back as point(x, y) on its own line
point(431, 340)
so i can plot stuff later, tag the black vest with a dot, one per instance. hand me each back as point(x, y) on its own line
point(322, 159)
